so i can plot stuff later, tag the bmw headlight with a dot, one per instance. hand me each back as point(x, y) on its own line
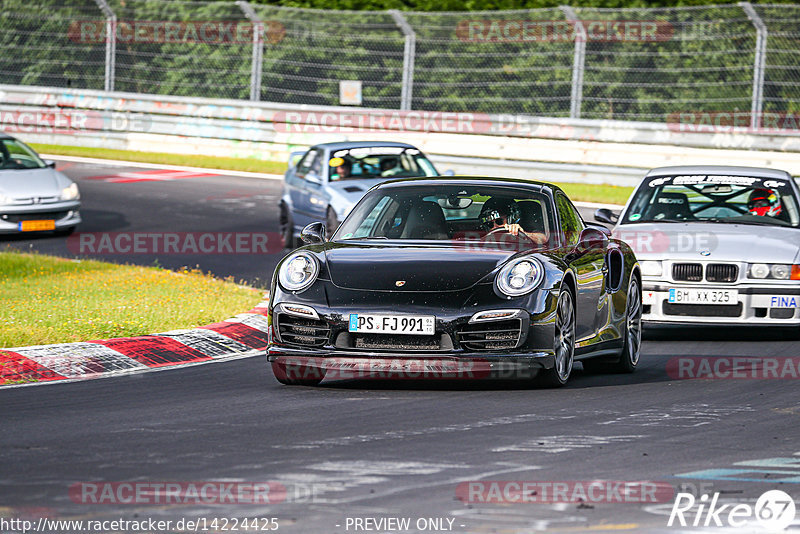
point(773, 271)
point(520, 276)
point(71, 192)
point(651, 268)
point(298, 271)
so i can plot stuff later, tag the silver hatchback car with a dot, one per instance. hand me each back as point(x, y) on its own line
point(34, 196)
point(324, 183)
point(716, 245)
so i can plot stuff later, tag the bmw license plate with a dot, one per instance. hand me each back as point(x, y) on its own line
point(422, 325)
point(703, 296)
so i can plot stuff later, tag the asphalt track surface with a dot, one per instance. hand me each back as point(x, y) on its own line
point(363, 448)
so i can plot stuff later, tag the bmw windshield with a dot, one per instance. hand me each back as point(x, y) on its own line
point(708, 198)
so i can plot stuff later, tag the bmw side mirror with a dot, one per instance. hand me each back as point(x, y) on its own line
point(50, 163)
point(313, 234)
point(592, 240)
point(605, 215)
point(313, 178)
point(449, 172)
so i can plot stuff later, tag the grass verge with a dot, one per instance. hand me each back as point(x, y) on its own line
point(608, 194)
point(208, 162)
point(53, 300)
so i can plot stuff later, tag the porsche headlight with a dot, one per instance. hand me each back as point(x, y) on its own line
point(651, 268)
point(773, 271)
point(71, 192)
point(520, 276)
point(298, 271)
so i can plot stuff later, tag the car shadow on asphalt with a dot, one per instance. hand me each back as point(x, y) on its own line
point(721, 333)
point(93, 221)
point(652, 373)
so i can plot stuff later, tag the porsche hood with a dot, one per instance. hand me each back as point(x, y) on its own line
point(394, 267)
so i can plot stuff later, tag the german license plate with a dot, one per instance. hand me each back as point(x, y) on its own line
point(36, 226)
point(422, 325)
point(703, 296)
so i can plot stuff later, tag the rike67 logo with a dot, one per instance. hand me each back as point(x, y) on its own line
point(774, 510)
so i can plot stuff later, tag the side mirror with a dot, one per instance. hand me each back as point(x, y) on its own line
point(449, 172)
point(313, 234)
point(50, 163)
point(605, 215)
point(600, 227)
point(592, 240)
point(313, 178)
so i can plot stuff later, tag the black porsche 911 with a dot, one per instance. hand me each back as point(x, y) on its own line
point(456, 277)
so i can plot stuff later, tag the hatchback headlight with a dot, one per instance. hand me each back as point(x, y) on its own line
point(773, 271)
point(70, 192)
point(298, 272)
point(520, 276)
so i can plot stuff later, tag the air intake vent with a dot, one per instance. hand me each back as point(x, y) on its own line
point(721, 272)
point(490, 335)
point(396, 342)
point(687, 272)
point(703, 310)
point(305, 332)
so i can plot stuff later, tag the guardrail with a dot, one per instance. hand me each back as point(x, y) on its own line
point(614, 152)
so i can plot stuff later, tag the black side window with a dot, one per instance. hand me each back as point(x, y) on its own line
point(570, 220)
point(307, 161)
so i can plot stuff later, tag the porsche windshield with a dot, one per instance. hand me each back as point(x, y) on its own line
point(458, 212)
point(729, 199)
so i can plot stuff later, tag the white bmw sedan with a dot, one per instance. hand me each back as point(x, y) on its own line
point(34, 196)
point(716, 245)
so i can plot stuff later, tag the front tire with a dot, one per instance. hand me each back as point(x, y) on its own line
point(564, 342)
point(297, 375)
point(331, 222)
point(631, 337)
point(286, 226)
point(632, 345)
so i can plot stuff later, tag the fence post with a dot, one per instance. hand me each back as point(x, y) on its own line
point(579, 59)
point(409, 52)
point(111, 44)
point(759, 64)
point(258, 49)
